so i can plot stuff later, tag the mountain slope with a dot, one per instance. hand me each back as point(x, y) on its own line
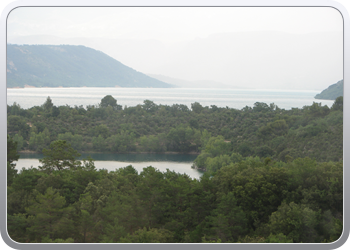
point(258, 59)
point(332, 92)
point(192, 84)
point(70, 66)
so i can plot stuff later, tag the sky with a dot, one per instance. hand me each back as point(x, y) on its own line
point(254, 47)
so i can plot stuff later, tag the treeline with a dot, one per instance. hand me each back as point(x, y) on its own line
point(262, 130)
point(248, 200)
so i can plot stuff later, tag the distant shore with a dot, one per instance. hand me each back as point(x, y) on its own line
point(30, 86)
point(93, 152)
point(47, 87)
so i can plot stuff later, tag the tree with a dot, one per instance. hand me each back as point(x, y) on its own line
point(55, 111)
point(228, 221)
point(48, 104)
point(12, 154)
point(16, 124)
point(261, 107)
point(180, 138)
point(152, 235)
point(149, 106)
point(297, 221)
point(60, 155)
point(196, 107)
point(338, 104)
point(108, 100)
point(49, 217)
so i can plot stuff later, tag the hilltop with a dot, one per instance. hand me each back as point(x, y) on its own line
point(70, 66)
point(332, 92)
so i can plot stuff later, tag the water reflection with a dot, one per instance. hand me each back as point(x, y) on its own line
point(180, 163)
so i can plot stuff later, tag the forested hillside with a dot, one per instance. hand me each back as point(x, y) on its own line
point(70, 66)
point(332, 92)
point(272, 175)
point(262, 130)
point(249, 200)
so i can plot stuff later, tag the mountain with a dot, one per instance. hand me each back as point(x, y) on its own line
point(255, 59)
point(192, 84)
point(332, 92)
point(70, 66)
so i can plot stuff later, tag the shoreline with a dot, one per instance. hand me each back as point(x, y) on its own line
point(92, 152)
point(175, 87)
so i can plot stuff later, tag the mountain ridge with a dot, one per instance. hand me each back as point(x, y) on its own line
point(237, 58)
point(70, 66)
point(332, 92)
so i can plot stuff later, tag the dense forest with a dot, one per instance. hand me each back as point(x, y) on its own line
point(272, 175)
point(262, 130)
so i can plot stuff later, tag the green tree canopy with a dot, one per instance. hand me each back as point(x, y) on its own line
point(108, 100)
point(12, 154)
point(196, 107)
point(338, 103)
point(48, 104)
point(60, 155)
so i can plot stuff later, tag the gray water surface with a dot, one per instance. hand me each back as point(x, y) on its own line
point(180, 163)
point(232, 98)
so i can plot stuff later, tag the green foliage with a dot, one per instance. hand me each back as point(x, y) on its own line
point(181, 139)
point(16, 227)
point(47, 106)
point(48, 216)
point(11, 173)
point(39, 141)
point(228, 220)
point(74, 140)
point(17, 124)
point(338, 104)
point(272, 175)
point(297, 222)
point(19, 140)
point(276, 128)
point(279, 238)
point(153, 143)
point(59, 156)
point(247, 200)
point(317, 110)
point(122, 142)
point(149, 106)
point(215, 146)
point(196, 107)
point(12, 154)
point(108, 101)
point(261, 107)
point(264, 131)
point(48, 240)
point(152, 235)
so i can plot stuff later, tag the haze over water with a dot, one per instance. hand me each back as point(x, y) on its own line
point(232, 98)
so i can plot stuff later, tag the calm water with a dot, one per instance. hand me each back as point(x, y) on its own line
point(29, 97)
point(179, 163)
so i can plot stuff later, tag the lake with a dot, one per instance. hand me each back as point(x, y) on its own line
point(233, 98)
point(180, 163)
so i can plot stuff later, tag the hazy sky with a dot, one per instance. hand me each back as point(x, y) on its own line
point(171, 32)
